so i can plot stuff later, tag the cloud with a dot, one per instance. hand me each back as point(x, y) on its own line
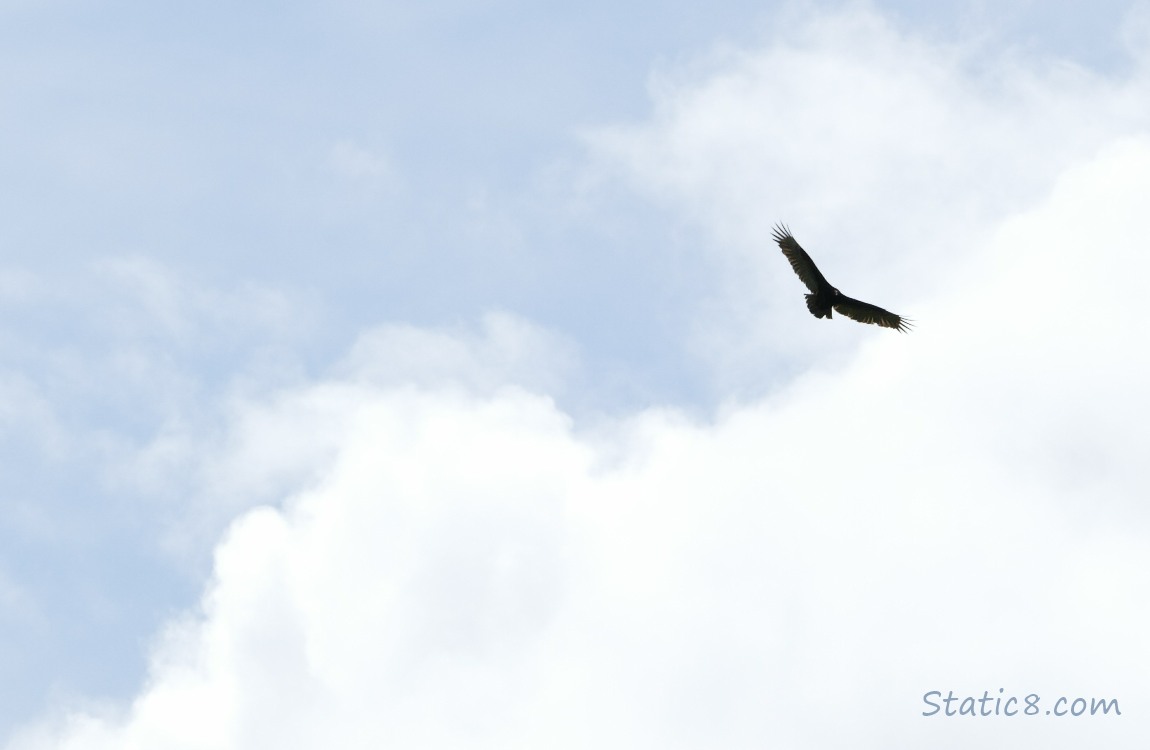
point(506, 349)
point(957, 511)
point(264, 440)
point(106, 352)
point(458, 562)
point(156, 300)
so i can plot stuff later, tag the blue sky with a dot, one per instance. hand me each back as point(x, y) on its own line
point(422, 369)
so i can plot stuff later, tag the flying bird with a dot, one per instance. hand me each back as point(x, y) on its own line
point(823, 296)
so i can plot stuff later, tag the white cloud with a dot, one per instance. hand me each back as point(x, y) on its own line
point(506, 349)
point(478, 571)
point(125, 343)
point(265, 442)
point(155, 300)
point(464, 565)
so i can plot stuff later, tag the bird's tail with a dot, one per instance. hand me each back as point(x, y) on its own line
point(814, 310)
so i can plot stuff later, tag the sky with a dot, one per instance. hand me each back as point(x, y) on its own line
point(424, 375)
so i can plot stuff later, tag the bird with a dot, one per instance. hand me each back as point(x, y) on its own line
point(824, 297)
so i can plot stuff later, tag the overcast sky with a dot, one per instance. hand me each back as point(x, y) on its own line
point(424, 375)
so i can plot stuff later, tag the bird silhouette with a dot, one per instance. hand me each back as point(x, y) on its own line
point(824, 297)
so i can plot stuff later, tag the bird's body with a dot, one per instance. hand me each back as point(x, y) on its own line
point(821, 303)
point(823, 297)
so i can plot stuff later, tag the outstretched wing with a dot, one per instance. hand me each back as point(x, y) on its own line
point(864, 312)
point(806, 269)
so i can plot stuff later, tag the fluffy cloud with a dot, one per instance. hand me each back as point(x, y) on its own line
point(267, 439)
point(466, 565)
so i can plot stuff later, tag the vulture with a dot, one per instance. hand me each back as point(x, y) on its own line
point(823, 296)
